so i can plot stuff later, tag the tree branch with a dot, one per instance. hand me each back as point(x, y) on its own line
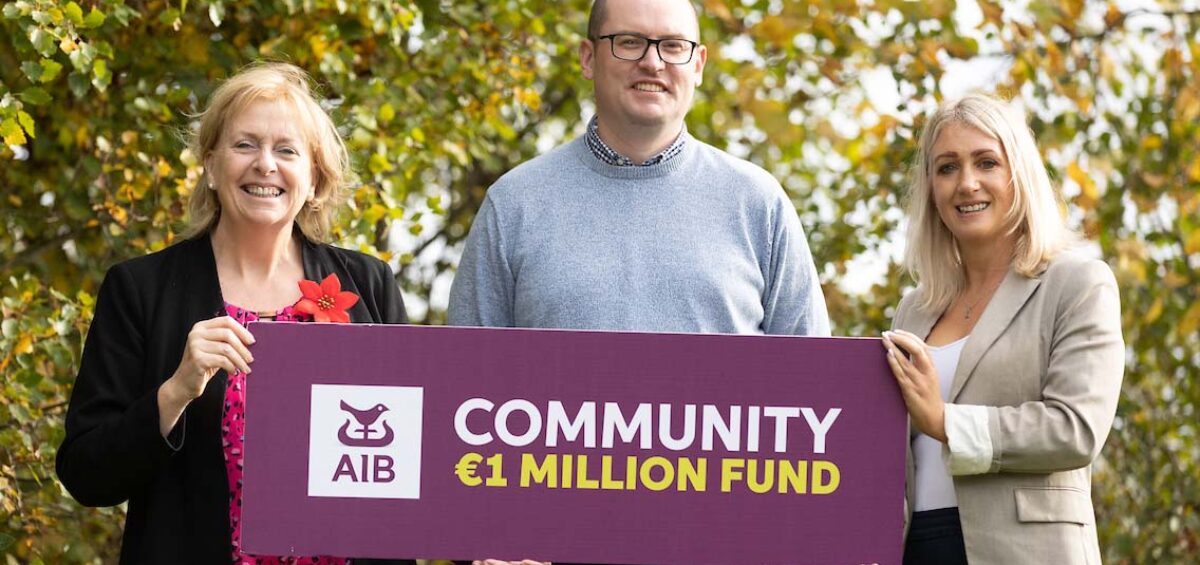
point(9, 67)
point(477, 176)
point(29, 254)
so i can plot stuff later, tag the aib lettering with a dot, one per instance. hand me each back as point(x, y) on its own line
point(369, 468)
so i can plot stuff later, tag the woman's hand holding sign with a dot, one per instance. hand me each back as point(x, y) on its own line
point(212, 345)
point(909, 359)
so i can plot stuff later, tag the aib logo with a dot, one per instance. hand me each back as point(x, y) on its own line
point(374, 468)
point(365, 441)
point(365, 419)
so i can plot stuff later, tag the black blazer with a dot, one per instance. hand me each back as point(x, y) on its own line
point(113, 452)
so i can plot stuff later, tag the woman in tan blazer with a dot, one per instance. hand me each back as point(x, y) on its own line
point(1008, 354)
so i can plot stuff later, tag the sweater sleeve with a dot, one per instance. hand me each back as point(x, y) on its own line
point(483, 289)
point(113, 446)
point(793, 303)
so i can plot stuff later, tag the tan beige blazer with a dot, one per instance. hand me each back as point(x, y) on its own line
point(1047, 358)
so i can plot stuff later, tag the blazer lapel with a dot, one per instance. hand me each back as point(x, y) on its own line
point(197, 280)
point(1010, 297)
point(196, 289)
point(310, 257)
point(920, 322)
point(320, 262)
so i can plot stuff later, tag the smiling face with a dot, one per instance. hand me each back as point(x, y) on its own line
point(261, 167)
point(645, 94)
point(972, 184)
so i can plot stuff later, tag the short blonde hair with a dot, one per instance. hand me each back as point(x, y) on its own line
point(281, 82)
point(1036, 217)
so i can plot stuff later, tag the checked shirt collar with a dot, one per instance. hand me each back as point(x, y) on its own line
point(606, 154)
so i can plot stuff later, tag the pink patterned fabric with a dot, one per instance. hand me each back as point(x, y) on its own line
point(233, 437)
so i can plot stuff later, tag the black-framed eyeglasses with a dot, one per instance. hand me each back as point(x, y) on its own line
point(629, 47)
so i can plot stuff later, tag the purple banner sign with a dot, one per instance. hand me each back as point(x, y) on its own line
point(600, 447)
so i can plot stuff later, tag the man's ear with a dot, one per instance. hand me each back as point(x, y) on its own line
point(587, 58)
point(701, 58)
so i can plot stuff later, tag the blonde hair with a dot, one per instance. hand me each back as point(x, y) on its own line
point(281, 82)
point(1036, 217)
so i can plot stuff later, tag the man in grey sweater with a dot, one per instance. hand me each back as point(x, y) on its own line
point(637, 225)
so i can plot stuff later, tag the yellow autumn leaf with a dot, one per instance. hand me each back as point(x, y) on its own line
point(1154, 312)
point(1190, 322)
point(1113, 16)
point(374, 213)
point(24, 345)
point(1192, 245)
point(1187, 104)
point(119, 215)
point(387, 113)
point(530, 98)
point(1073, 8)
point(1189, 203)
point(1172, 62)
point(379, 163)
point(1087, 186)
point(773, 29)
point(11, 132)
point(163, 167)
point(1054, 63)
point(319, 45)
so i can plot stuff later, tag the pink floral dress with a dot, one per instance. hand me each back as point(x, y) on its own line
point(233, 437)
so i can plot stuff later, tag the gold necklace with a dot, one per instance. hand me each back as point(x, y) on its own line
point(971, 306)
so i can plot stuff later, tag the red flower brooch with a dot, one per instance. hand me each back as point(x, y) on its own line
point(326, 302)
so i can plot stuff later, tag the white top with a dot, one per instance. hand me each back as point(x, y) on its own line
point(934, 487)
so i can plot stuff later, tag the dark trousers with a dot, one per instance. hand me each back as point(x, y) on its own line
point(935, 538)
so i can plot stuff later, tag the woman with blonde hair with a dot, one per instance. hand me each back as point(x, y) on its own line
point(1008, 354)
point(156, 415)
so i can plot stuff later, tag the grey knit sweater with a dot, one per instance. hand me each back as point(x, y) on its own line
point(702, 242)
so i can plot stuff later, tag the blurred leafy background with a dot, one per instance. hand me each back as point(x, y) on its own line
point(439, 98)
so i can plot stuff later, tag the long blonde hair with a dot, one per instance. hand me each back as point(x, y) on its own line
point(1036, 217)
point(331, 162)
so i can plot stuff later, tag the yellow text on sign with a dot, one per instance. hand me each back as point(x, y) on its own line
point(606, 472)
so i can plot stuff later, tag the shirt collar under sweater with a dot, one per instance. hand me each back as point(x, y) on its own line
point(607, 154)
point(685, 160)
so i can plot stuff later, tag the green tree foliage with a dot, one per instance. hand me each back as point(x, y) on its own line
point(440, 97)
